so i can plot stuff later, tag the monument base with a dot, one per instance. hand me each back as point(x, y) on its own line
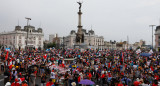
point(82, 45)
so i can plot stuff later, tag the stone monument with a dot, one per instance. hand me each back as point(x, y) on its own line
point(79, 34)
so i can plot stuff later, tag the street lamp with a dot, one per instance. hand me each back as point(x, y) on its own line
point(27, 30)
point(152, 33)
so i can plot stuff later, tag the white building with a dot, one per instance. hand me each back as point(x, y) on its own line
point(17, 39)
point(52, 36)
point(90, 39)
point(157, 38)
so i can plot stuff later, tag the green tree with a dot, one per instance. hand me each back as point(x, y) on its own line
point(138, 47)
point(50, 45)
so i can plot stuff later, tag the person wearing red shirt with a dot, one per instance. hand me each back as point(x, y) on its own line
point(104, 76)
point(120, 84)
point(109, 74)
point(50, 83)
point(89, 76)
point(156, 77)
point(155, 83)
point(15, 83)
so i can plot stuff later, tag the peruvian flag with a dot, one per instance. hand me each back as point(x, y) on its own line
point(138, 51)
point(87, 63)
point(20, 80)
point(6, 55)
point(45, 56)
point(63, 63)
point(10, 64)
point(151, 68)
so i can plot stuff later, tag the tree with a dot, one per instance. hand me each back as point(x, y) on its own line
point(50, 45)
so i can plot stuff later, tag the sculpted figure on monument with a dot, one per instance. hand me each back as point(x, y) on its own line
point(80, 38)
point(77, 38)
point(80, 5)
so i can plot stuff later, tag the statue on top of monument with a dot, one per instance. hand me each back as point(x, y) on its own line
point(80, 5)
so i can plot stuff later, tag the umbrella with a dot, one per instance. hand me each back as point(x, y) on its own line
point(145, 54)
point(86, 82)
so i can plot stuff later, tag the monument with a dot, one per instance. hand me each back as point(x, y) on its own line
point(79, 34)
point(80, 38)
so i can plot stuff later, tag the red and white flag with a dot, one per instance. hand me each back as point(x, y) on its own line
point(10, 64)
point(138, 51)
point(151, 51)
point(6, 55)
point(45, 56)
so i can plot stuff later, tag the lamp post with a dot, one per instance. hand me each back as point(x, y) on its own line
point(152, 33)
point(27, 30)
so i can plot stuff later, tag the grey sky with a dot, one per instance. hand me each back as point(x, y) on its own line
point(113, 19)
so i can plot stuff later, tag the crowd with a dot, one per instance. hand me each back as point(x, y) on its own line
point(103, 67)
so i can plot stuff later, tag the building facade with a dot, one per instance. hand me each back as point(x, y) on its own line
point(54, 38)
point(157, 38)
point(90, 39)
point(19, 38)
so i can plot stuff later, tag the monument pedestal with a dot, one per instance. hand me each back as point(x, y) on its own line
point(81, 46)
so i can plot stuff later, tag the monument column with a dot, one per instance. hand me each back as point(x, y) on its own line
point(79, 35)
point(79, 19)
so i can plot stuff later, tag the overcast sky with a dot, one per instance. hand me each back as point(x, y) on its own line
point(113, 19)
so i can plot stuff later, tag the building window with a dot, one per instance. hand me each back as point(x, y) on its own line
point(39, 38)
point(19, 37)
point(39, 42)
point(19, 41)
point(34, 38)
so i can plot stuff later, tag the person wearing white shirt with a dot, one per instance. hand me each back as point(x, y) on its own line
point(53, 76)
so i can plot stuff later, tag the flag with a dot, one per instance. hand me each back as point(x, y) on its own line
point(6, 56)
point(10, 64)
point(151, 51)
point(151, 68)
point(45, 56)
point(138, 51)
point(123, 57)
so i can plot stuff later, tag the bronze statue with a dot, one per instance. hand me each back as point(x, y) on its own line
point(80, 5)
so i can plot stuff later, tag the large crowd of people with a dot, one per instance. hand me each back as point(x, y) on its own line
point(68, 67)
